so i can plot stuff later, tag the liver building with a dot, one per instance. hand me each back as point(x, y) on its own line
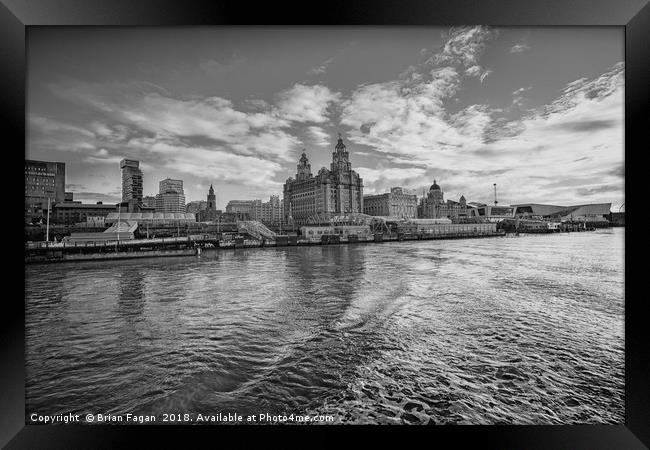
point(338, 190)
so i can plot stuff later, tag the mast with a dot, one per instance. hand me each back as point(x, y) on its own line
point(495, 194)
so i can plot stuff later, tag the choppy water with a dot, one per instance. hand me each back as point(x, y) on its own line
point(496, 330)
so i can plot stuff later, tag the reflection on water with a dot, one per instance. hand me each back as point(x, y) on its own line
point(522, 330)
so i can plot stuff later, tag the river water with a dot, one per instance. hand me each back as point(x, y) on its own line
point(517, 330)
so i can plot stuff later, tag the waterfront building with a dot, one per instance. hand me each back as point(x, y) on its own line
point(171, 197)
point(242, 209)
point(493, 213)
point(268, 212)
point(231, 217)
point(149, 201)
point(395, 203)
point(433, 205)
point(592, 213)
point(43, 180)
point(131, 182)
point(196, 206)
point(70, 213)
point(337, 190)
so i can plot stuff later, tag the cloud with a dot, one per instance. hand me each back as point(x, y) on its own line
point(519, 48)
point(484, 75)
point(408, 121)
point(463, 45)
point(518, 98)
point(215, 163)
point(306, 103)
point(411, 126)
point(319, 137)
point(208, 138)
point(377, 181)
point(89, 196)
point(318, 70)
point(215, 67)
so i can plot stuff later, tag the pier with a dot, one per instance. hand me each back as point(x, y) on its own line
point(38, 252)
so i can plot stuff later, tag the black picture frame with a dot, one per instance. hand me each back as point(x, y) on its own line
point(634, 15)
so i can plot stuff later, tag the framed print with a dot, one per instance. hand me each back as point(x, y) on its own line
point(374, 218)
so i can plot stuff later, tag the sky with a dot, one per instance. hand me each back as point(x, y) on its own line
point(538, 111)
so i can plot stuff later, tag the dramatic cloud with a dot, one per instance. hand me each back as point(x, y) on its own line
point(408, 120)
point(438, 117)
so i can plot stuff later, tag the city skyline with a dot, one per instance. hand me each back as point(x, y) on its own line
point(235, 108)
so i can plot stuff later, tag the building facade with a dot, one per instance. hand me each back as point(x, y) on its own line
point(131, 181)
point(395, 203)
point(43, 180)
point(70, 213)
point(270, 212)
point(149, 201)
point(242, 209)
point(338, 190)
point(196, 206)
point(433, 205)
point(171, 197)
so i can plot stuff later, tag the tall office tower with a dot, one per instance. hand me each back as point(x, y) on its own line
point(131, 181)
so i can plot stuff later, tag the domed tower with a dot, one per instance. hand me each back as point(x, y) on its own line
point(340, 157)
point(212, 200)
point(435, 193)
point(304, 168)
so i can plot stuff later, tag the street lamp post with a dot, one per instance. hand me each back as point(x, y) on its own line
point(47, 226)
point(119, 216)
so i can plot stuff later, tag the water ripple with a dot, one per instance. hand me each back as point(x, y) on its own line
point(527, 330)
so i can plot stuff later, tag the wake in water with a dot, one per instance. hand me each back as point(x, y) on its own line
point(436, 332)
